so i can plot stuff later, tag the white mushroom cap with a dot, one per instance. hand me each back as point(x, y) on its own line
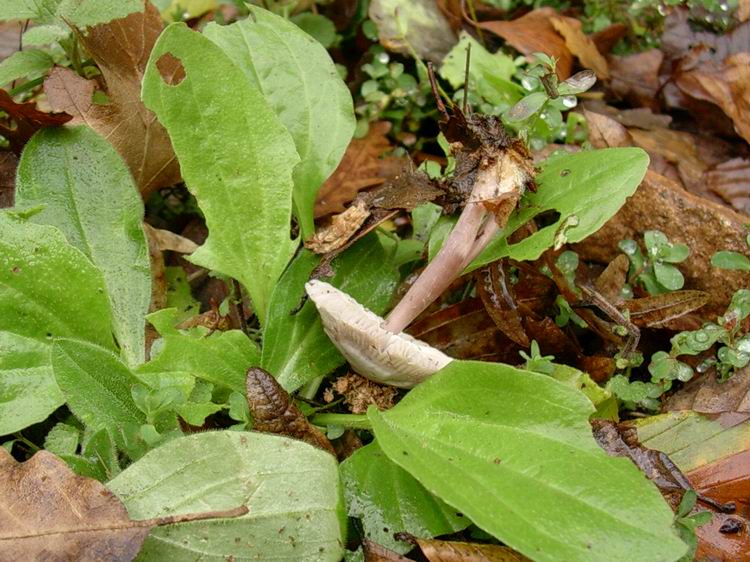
point(374, 352)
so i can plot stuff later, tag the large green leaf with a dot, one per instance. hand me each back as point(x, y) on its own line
point(390, 500)
point(47, 289)
point(97, 206)
point(221, 358)
point(28, 392)
point(97, 386)
point(586, 188)
point(291, 489)
point(236, 158)
point(513, 451)
point(296, 350)
point(300, 82)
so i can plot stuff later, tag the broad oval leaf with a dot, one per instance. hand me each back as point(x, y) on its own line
point(586, 188)
point(291, 489)
point(48, 288)
point(28, 391)
point(29, 64)
point(96, 385)
point(301, 84)
point(97, 206)
point(390, 500)
point(235, 155)
point(513, 451)
point(296, 350)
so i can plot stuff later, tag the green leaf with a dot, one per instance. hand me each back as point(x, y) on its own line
point(96, 385)
point(28, 391)
point(296, 350)
point(97, 206)
point(389, 500)
point(179, 295)
point(236, 158)
point(513, 451)
point(41, 35)
point(25, 64)
point(317, 26)
point(48, 288)
point(527, 107)
point(591, 186)
point(221, 358)
point(79, 13)
point(291, 489)
point(668, 276)
point(62, 439)
point(301, 84)
point(489, 75)
point(730, 260)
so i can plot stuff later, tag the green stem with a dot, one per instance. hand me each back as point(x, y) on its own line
point(354, 421)
point(32, 446)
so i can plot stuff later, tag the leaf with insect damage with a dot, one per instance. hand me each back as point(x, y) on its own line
point(49, 513)
point(300, 82)
point(236, 157)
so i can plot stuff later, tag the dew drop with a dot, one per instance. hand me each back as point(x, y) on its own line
point(529, 83)
point(383, 58)
point(569, 101)
point(630, 247)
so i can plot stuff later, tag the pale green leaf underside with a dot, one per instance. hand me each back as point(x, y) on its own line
point(97, 386)
point(390, 500)
point(291, 489)
point(586, 187)
point(513, 451)
point(300, 82)
point(235, 156)
point(97, 206)
point(295, 348)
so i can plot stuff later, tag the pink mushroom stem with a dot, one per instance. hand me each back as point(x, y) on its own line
point(456, 253)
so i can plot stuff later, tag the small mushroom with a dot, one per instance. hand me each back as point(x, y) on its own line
point(373, 351)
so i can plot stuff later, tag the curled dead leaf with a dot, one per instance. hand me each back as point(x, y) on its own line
point(166, 240)
point(340, 229)
point(274, 411)
point(455, 551)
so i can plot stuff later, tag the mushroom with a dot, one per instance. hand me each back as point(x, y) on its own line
point(494, 169)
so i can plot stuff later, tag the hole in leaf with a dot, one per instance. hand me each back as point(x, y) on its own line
point(547, 218)
point(170, 69)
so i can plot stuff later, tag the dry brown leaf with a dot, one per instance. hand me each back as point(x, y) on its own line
point(607, 38)
point(611, 281)
point(49, 513)
point(726, 85)
point(274, 412)
point(8, 164)
point(661, 204)
point(23, 120)
point(360, 168)
point(743, 10)
point(730, 180)
point(709, 396)
point(454, 551)
point(166, 240)
point(10, 35)
point(340, 229)
point(581, 46)
point(121, 49)
point(533, 33)
point(605, 132)
point(661, 311)
point(496, 293)
point(635, 78)
point(376, 553)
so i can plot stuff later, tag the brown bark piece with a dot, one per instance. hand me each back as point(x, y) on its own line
point(661, 204)
point(360, 393)
point(274, 412)
point(533, 33)
point(121, 49)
